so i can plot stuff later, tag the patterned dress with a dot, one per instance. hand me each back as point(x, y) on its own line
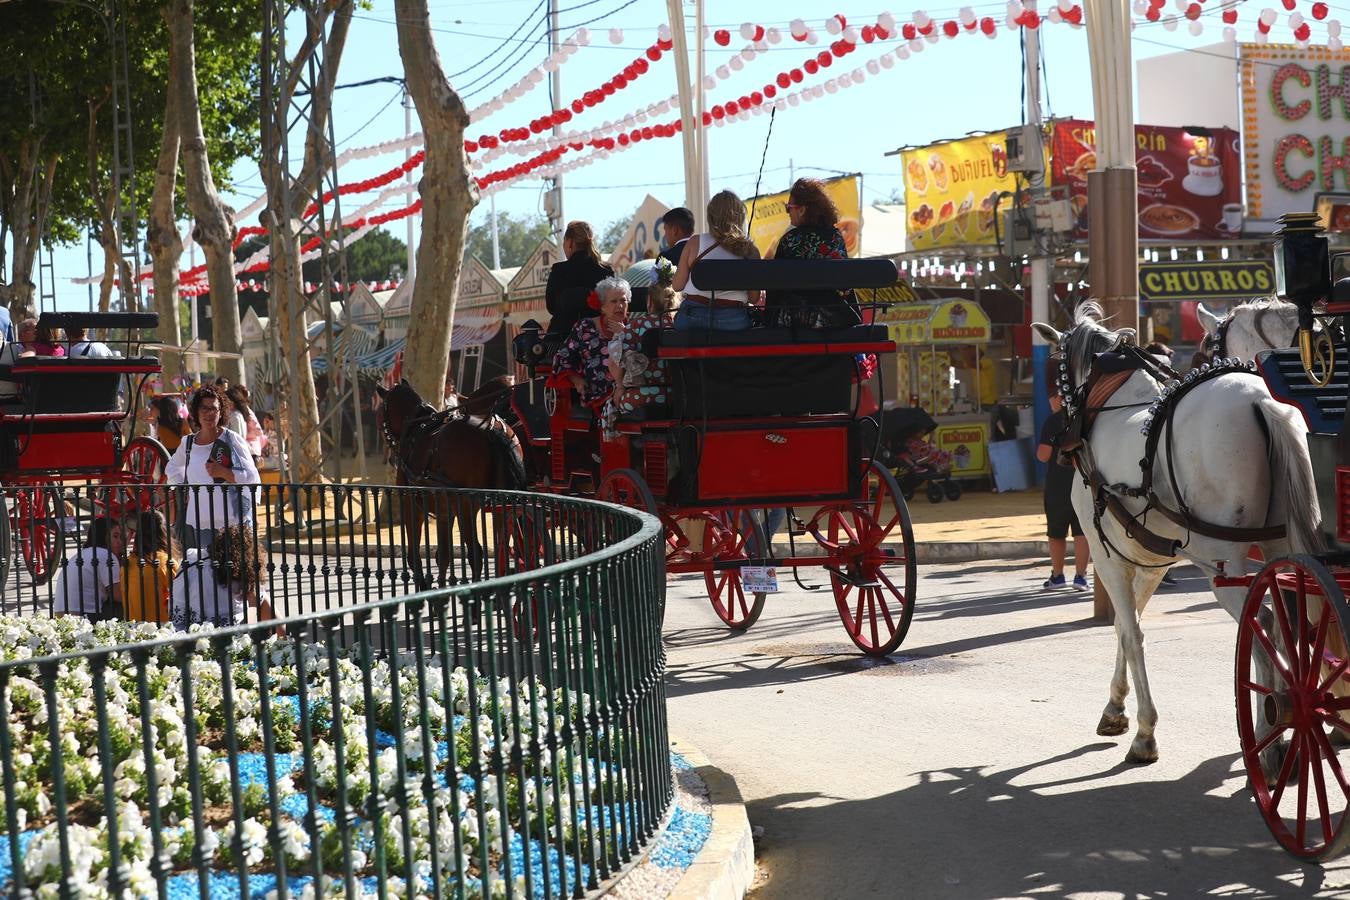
point(642, 384)
point(811, 242)
point(585, 353)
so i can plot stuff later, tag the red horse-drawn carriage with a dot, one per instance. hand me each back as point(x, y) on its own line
point(754, 421)
point(61, 421)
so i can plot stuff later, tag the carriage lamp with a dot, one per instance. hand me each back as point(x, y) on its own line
point(1303, 276)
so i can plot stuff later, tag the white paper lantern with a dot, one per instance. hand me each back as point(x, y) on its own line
point(583, 37)
point(811, 38)
point(616, 35)
point(1170, 23)
point(1196, 27)
point(793, 100)
point(1230, 34)
point(1054, 16)
point(709, 82)
point(748, 54)
point(798, 29)
point(1295, 20)
point(747, 31)
point(1140, 7)
point(1268, 16)
point(1334, 27)
point(831, 86)
point(773, 36)
point(967, 15)
point(1261, 37)
point(723, 73)
point(663, 32)
point(833, 26)
point(1334, 44)
point(888, 61)
point(736, 64)
point(873, 67)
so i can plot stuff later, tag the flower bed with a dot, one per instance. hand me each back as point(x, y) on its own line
point(334, 768)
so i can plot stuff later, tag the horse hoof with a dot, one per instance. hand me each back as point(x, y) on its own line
point(1113, 724)
point(1142, 752)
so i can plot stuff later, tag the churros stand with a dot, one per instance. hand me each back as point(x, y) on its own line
point(925, 335)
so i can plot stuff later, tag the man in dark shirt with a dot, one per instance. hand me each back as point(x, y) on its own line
point(677, 226)
point(1060, 518)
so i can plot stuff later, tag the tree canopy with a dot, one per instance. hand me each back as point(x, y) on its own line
point(517, 236)
point(56, 71)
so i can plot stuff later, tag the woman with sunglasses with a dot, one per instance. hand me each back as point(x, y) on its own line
point(217, 456)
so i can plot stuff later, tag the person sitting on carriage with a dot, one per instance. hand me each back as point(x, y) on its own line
point(572, 279)
point(640, 377)
point(814, 234)
point(728, 310)
point(39, 340)
point(582, 360)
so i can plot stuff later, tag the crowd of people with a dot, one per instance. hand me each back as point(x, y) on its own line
point(603, 355)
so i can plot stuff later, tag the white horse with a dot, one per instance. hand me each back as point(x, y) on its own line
point(1263, 324)
point(1238, 461)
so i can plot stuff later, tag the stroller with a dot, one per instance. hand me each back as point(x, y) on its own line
point(905, 449)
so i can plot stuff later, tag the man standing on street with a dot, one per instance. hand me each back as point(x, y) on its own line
point(678, 227)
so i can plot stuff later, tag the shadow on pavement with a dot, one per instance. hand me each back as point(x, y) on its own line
point(1004, 834)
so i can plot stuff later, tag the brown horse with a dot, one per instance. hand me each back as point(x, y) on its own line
point(446, 449)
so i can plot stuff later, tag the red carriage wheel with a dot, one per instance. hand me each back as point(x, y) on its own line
point(523, 545)
point(731, 536)
point(41, 539)
point(1293, 696)
point(627, 488)
point(143, 463)
point(6, 543)
point(873, 577)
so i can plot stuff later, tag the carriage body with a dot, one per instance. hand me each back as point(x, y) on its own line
point(62, 420)
point(757, 420)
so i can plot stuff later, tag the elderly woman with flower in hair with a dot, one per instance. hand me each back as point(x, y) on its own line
point(640, 377)
point(582, 362)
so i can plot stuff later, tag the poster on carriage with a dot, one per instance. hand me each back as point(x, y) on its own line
point(768, 215)
point(953, 190)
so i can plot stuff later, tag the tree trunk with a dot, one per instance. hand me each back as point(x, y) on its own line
point(23, 215)
point(161, 233)
point(449, 193)
point(283, 224)
point(214, 225)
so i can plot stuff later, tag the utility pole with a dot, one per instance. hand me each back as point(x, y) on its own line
point(1040, 258)
point(496, 244)
point(407, 154)
point(1113, 237)
point(555, 208)
point(690, 123)
point(701, 67)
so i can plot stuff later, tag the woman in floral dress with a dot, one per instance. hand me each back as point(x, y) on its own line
point(639, 375)
point(582, 360)
point(814, 234)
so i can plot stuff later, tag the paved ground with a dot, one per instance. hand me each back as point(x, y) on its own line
point(968, 767)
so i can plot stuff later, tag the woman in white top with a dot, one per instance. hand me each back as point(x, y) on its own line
point(90, 582)
point(727, 311)
point(218, 587)
point(214, 455)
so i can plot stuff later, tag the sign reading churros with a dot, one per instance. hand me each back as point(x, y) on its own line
point(952, 191)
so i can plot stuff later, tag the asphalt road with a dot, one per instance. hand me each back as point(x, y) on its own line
point(968, 766)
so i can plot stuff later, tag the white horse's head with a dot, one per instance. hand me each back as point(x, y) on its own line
point(1262, 324)
point(1087, 337)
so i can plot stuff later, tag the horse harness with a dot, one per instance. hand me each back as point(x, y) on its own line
point(1081, 407)
point(1214, 347)
point(420, 430)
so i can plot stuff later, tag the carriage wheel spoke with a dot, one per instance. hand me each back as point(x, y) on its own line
point(1286, 770)
point(885, 610)
point(1315, 661)
point(1301, 626)
point(1336, 672)
point(1303, 766)
point(1282, 619)
point(872, 616)
point(1333, 762)
point(1269, 739)
point(1255, 688)
point(1319, 782)
point(1264, 640)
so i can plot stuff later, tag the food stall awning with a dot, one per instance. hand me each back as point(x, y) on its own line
point(948, 322)
point(472, 330)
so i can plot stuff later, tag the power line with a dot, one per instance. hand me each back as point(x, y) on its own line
point(493, 52)
point(388, 103)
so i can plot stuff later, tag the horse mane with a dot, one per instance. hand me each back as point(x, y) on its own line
point(1089, 337)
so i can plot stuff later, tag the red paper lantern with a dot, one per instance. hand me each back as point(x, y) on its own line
point(770, 91)
point(1303, 32)
point(1193, 11)
point(732, 107)
point(679, 125)
point(882, 33)
point(722, 37)
point(1320, 11)
point(811, 66)
point(718, 112)
point(1290, 4)
point(951, 29)
point(623, 140)
point(988, 25)
point(647, 133)
point(868, 35)
point(909, 32)
point(607, 89)
point(1074, 15)
point(654, 53)
point(1262, 27)
point(756, 98)
point(797, 76)
point(783, 79)
point(641, 66)
point(707, 118)
point(927, 28)
point(665, 45)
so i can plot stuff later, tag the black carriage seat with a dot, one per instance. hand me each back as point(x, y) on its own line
point(766, 371)
point(60, 386)
point(1323, 407)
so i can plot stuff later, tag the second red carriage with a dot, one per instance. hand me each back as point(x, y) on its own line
point(754, 422)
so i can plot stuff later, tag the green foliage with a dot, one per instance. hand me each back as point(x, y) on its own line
point(374, 256)
point(58, 55)
point(517, 237)
point(614, 233)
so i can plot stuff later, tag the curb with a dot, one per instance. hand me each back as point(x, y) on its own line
point(971, 551)
point(725, 866)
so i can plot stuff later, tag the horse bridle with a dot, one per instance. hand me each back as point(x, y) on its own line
point(1214, 347)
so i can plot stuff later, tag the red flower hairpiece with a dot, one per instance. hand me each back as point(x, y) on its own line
point(593, 301)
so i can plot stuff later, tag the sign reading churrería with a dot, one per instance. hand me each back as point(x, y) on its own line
point(1218, 280)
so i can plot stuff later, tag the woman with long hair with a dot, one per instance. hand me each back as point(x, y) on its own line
point(726, 238)
point(150, 568)
point(253, 433)
point(571, 281)
point(171, 424)
point(814, 234)
point(90, 582)
point(214, 455)
point(217, 588)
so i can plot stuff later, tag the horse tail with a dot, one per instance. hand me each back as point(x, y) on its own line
point(510, 467)
point(1291, 471)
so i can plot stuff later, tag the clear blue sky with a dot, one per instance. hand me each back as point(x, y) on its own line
point(953, 87)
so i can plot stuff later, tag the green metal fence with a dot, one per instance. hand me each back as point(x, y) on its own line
point(501, 733)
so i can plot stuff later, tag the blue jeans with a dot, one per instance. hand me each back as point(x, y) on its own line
point(693, 316)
